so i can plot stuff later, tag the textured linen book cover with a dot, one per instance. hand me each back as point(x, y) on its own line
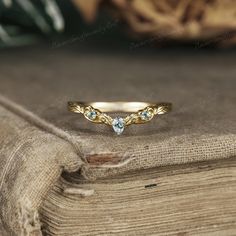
point(61, 175)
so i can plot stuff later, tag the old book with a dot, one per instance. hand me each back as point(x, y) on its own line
point(61, 175)
point(179, 200)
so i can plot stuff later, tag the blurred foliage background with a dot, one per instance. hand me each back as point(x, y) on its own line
point(27, 21)
point(208, 22)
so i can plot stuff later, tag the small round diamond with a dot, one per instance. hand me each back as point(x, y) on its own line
point(145, 115)
point(118, 125)
point(92, 115)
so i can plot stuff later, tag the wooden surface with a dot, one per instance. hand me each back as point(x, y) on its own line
point(197, 199)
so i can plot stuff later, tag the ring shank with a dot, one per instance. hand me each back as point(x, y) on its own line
point(121, 106)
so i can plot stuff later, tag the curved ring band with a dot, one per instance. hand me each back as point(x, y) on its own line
point(141, 112)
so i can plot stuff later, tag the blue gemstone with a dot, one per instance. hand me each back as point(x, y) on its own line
point(118, 125)
point(92, 115)
point(145, 115)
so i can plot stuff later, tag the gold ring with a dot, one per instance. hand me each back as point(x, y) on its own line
point(141, 112)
